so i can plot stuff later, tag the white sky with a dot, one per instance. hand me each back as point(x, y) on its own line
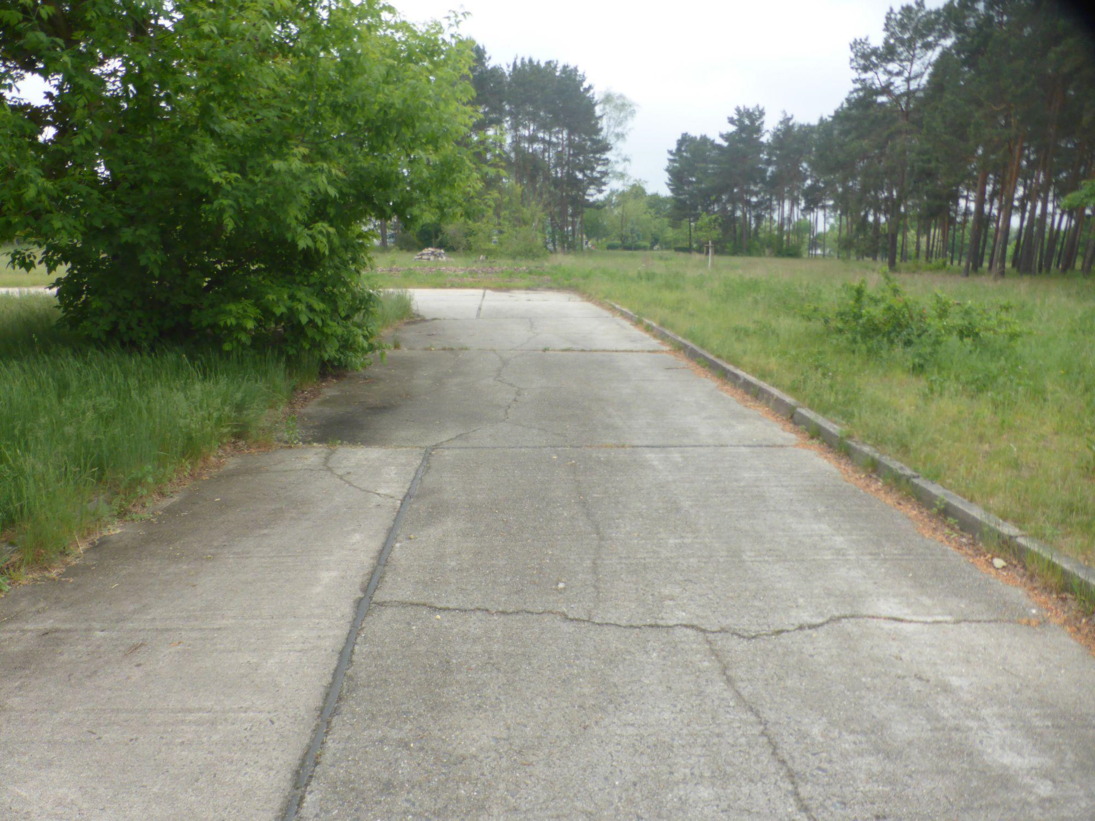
point(685, 64)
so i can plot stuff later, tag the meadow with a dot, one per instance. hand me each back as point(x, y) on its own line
point(87, 432)
point(1008, 423)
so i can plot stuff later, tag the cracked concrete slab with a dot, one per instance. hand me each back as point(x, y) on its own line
point(493, 398)
point(518, 320)
point(898, 720)
point(473, 716)
point(451, 303)
point(177, 670)
point(539, 304)
point(600, 333)
point(612, 591)
point(675, 536)
point(617, 592)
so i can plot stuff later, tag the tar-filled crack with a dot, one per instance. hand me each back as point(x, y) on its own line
point(482, 299)
point(334, 692)
point(744, 635)
point(765, 731)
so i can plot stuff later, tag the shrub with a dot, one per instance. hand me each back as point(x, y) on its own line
point(520, 242)
point(210, 166)
point(888, 318)
point(407, 241)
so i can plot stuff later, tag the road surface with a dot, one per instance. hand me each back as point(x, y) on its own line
point(595, 586)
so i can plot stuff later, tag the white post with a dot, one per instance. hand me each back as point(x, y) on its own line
point(710, 253)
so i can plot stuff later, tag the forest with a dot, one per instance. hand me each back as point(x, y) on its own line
point(967, 140)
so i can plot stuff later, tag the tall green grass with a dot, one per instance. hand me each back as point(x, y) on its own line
point(86, 432)
point(395, 306)
point(1011, 426)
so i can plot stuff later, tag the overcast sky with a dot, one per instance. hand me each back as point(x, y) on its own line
point(687, 63)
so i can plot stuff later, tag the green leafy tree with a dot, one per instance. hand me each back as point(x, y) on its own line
point(893, 74)
point(205, 170)
point(741, 167)
point(708, 228)
point(691, 171)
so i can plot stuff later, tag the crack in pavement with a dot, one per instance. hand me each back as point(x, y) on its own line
point(311, 757)
point(518, 393)
point(765, 731)
point(328, 469)
point(696, 628)
point(587, 511)
point(482, 299)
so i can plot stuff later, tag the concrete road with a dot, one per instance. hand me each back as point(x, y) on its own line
point(594, 586)
point(33, 291)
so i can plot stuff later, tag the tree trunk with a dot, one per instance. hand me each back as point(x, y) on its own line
point(384, 234)
point(948, 232)
point(1073, 247)
point(1020, 239)
point(1063, 232)
point(744, 226)
point(877, 236)
point(960, 236)
point(905, 235)
point(978, 220)
point(893, 223)
point(1089, 256)
point(1007, 201)
point(1066, 239)
point(990, 222)
point(1049, 250)
point(1025, 240)
point(839, 231)
point(1033, 255)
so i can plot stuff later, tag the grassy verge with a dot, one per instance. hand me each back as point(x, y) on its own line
point(86, 433)
point(1011, 427)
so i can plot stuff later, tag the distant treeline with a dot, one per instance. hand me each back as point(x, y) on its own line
point(967, 139)
point(550, 138)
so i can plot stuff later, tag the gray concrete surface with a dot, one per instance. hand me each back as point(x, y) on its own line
point(34, 291)
point(618, 593)
point(615, 593)
point(971, 518)
point(177, 670)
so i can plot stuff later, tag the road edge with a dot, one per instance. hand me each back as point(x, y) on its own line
point(966, 516)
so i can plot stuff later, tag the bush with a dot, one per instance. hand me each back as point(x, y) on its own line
point(211, 166)
point(407, 241)
point(520, 242)
point(889, 318)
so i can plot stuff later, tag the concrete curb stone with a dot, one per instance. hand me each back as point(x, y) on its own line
point(968, 517)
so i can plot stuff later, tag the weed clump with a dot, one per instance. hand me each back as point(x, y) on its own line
point(887, 318)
